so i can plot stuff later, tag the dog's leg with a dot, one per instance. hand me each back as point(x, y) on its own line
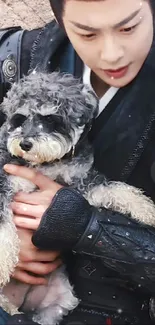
point(57, 299)
point(8, 306)
point(9, 242)
point(16, 292)
point(125, 199)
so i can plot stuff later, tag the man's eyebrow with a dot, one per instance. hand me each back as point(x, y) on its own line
point(85, 27)
point(127, 19)
point(121, 23)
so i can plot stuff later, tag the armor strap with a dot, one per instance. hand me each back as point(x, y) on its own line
point(10, 51)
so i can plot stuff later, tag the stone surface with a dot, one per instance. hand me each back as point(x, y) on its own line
point(26, 13)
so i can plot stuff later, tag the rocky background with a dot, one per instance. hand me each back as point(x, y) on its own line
point(26, 13)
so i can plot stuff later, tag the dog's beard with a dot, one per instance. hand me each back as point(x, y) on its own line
point(44, 149)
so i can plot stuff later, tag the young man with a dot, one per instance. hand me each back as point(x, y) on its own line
point(110, 45)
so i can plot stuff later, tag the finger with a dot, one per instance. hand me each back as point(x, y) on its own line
point(45, 256)
point(27, 223)
point(39, 256)
point(40, 180)
point(29, 198)
point(24, 277)
point(40, 268)
point(28, 209)
point(33, 254)
point(35, 198)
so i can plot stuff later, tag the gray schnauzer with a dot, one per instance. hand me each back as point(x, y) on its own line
point(46, 120)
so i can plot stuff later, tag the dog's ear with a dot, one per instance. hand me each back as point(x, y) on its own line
point(91, 101)
point(2, 116)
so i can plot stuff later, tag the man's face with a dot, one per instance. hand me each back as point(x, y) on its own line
point(110, 35)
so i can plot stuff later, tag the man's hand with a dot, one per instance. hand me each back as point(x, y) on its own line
point(29, 207)
point(33, 260)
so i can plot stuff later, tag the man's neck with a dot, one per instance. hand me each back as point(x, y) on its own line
point(99, 86)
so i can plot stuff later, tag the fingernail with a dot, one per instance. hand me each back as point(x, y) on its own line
point(9, 167)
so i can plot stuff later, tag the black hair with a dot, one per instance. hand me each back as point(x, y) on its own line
point(58, 7)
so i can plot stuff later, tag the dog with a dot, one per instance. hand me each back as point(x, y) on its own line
point(46, 120)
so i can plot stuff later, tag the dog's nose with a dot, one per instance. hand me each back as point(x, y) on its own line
point(26, 145)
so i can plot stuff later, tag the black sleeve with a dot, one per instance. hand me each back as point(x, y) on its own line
point(19, 319)
point(124, 245)
point(6, 319)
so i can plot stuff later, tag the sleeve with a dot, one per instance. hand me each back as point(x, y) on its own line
point(3, 317)
point(124, 245)
point(6, 319)
point(18, 319)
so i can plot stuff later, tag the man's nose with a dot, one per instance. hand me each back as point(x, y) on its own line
point(111, 53)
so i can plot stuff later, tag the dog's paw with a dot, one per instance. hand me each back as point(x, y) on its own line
point(125, 199)
point(8, 306)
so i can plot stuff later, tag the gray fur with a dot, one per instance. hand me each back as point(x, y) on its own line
point(49, 113)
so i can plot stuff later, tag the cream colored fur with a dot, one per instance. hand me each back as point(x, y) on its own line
point(125, 199)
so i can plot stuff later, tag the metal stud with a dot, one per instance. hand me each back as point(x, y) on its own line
point(9, 68)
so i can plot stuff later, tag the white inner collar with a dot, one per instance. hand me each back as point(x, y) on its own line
point(109, 94)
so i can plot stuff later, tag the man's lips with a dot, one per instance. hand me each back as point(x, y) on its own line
point(115, 70)
point(118, 73)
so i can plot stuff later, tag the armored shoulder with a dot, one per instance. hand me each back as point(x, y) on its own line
point(10, 52)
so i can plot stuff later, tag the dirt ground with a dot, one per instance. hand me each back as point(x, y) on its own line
point(26, 13)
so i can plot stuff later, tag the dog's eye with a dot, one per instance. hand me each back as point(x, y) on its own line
point(51, 122)
point(53, 119)
point(17, 120)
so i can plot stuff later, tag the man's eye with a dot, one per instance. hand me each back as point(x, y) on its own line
point(88, 36)
point(128, 30)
